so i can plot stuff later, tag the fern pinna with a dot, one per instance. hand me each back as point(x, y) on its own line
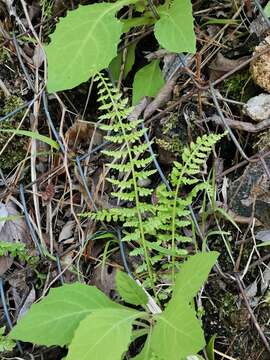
point(155, 227)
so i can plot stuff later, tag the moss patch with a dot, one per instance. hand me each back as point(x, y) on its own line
point(16, 149)
point(239, 87)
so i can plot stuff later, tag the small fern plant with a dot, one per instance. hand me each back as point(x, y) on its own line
point(156, 228)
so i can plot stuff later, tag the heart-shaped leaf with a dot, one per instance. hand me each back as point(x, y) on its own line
point(53, 320)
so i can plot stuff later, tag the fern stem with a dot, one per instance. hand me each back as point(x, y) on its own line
point(137, 200)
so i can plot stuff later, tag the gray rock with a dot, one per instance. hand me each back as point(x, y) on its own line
point(250, 193)
point(258, 107)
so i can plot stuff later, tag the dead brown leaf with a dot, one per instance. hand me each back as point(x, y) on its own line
point(67, 232)
point(104, 279)
point(47, 194)
point(221, 65)
point(83, 133)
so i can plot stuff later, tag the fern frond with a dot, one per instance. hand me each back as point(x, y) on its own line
point(114, 214)
point(144, 191)
point(133, 236)
point(120, 167)
point(128, 134)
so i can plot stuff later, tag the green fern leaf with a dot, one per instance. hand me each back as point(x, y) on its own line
point(117, 154)
point(124, 196)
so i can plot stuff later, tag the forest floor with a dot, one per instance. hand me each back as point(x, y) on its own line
point(52, 188)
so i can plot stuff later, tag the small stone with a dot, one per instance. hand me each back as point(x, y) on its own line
point(144, 182)
point(258, 107)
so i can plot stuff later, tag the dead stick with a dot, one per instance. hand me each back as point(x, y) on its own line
point(241, 125)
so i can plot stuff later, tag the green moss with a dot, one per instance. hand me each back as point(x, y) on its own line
point(227, 307)
point(238, 87)
point(4, 54)
point(171, 138)
point(169, 125)
point(262, 141)
point(12, 103)
point(173, 144)
point(15, 151)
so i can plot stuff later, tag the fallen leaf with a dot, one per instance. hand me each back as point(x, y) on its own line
point(47, 194)
point(260, 65)
point(251, 290)
point(258, 26)
point(39, 56)
point(104, 279)
point(83, 133)
point(263, 235)
point(30, 299)
point(12, 229)
point(265, 279)
point(67, 231)
point(221, 65)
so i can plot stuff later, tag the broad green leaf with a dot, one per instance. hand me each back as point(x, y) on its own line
point(147, 81)
point(192, 274)
point(267, 9)
point(178, 326)
point(104, 334)
point(174, 30)
point(33, 135)
point(54, 319)
point(84, 42)
point(177, 333)
point(115, 65)
point(129, 290)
